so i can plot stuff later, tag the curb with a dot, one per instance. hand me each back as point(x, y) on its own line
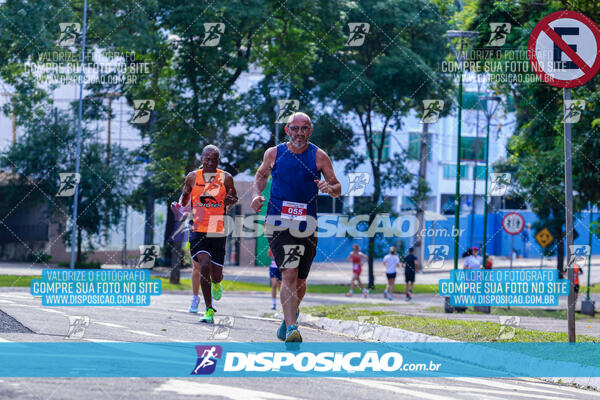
point(371, 332)
point(368, 331)
point(584, 382)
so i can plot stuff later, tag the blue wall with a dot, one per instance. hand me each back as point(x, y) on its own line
point(499, 242)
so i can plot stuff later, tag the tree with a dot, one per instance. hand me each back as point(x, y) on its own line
point(535, 151)
point(37, 159)
point(379, 82)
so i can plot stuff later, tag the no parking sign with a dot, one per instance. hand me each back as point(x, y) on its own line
point(564, 49)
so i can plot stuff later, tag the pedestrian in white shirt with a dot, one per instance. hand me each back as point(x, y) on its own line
point(473, 261)
point(391, 262)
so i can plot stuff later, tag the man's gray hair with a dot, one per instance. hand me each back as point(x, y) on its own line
point(210, 147)
point(299, 114)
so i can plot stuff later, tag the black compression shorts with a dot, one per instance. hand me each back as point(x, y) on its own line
point(293, 252)
point(214, 246)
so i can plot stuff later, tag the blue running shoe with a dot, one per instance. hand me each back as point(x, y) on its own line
point(293, 335)
point(194, 305)
point(281, 332)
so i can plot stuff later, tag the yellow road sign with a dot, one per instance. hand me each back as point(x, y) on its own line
point(544, 237)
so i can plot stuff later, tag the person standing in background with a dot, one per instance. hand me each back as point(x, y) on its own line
point(356, 258)
point(275, 276)
point(526, 237)
point(410, 266)
point(391, 262)
point(473, 260)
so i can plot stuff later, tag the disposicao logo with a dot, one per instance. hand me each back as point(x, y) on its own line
point(207, 359)
point(315, 362)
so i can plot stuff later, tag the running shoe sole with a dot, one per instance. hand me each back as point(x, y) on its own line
point(293, 337)
point(282, 331)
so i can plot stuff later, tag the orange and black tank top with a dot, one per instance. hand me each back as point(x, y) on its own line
point(208, 201)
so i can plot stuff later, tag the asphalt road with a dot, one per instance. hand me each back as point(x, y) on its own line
point(167, 320)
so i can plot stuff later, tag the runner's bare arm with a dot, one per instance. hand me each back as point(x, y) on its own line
point(231, 197)
point(187, 189)
point(330, 185)
point(261, 178)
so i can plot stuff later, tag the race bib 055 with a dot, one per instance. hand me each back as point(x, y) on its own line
point(292, 210)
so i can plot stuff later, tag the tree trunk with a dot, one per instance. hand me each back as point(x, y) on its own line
point(173, 251)
point(419, 238)
point(149, 224)
point(371, 249)
point(79, 244)
point(372, 214)
point(560, 252)
point(167, 245)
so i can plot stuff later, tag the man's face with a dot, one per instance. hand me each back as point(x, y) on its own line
point(475, 252)
point(210, 160)
point(299, 130)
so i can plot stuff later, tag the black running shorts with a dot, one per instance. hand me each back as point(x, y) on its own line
point(293, 252)
point(214, 246)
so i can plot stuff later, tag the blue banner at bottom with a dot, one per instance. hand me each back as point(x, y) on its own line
point(224, 359)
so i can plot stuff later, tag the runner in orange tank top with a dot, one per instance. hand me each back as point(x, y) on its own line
point(208, 191)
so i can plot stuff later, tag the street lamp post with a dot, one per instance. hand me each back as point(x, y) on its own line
point(77, 157)
point(489, 113)
point(463, 39)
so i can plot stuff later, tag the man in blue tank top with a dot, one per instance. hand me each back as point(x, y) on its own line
point(291, 224)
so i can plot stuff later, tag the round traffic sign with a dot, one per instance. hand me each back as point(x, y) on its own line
point(513, 223)
point(564, 49)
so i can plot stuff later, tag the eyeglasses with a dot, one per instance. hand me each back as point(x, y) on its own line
point(295, 128)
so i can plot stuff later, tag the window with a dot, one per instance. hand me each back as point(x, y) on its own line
point(329, 205)
point(414, 146)
point(479, 172)
point(447, 204)
point(450, 171)
point(324, 204)
point(472, 148)
point(376, 142)
point(407, 204)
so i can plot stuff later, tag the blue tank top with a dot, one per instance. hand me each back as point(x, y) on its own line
point(293, 177)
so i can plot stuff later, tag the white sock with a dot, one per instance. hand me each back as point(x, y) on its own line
point(274, 302)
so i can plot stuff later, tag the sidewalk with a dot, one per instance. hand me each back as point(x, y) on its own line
point(324, 273)
point(421, 302)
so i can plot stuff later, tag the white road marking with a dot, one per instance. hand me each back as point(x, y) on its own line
point(527, 386)
point(462, 389)
point(52, 311)
point(110, 325)
point(208, 389)
point(258, 318)
point(4, 340)
point(144, 333)
point(17, 295)
point(25, 305)
point(381, 385)
point(7, 302)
